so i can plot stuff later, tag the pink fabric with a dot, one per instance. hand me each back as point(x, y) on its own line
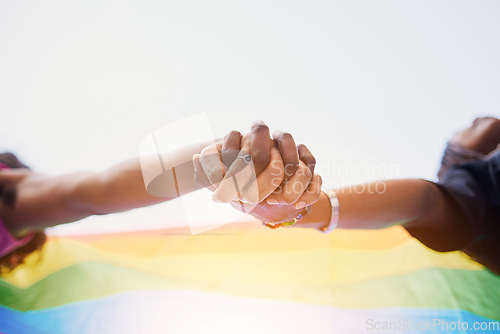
point(8, 242)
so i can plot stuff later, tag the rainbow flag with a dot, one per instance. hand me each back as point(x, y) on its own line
point(248, 279)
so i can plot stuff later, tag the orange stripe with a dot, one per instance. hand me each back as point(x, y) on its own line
point(181, 240)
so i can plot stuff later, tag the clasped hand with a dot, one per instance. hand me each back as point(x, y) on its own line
point(269, 178)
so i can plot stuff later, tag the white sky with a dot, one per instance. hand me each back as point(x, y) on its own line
point(370, 83)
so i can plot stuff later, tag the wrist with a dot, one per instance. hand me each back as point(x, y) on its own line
point(320, 214)
point(334, 212)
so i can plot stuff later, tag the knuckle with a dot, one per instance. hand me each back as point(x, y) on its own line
point(203, 152)
point(235, 133)
point(305, 152)
point(212, 149)
point(260, 127)
point(232, 134)
point(284, 136)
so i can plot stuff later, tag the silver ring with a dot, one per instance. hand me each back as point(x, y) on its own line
point(247, 159)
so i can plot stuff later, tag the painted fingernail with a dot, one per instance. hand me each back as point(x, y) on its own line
point(271, 201)
point(300, 205)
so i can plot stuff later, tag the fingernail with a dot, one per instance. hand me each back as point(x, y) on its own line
point(271, 201)
point(300, 205)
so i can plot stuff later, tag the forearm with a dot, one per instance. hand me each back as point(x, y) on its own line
point(364, 207)
point(421, 207)
point(119, 188)
point(386, 203)
point(139, 182)
point(44, 200)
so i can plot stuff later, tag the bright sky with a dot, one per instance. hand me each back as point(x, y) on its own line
point(369, 86)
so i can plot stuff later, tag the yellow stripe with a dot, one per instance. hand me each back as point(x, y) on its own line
point(253, 259)
point(250, 237)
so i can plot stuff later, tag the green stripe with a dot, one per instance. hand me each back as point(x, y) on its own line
point(474, 291)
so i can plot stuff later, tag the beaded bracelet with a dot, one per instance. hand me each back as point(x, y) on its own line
point(334, 219)
point(295, 220)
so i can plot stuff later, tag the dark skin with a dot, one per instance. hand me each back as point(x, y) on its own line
point(45, 200)
point(33, 201)
point(290, 192)
point(424, 209)
point(482, 136)
point(421, 207)
point(260, 148)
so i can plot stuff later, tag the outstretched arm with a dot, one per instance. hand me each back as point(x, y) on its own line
point(44, 200)
point(423, 208)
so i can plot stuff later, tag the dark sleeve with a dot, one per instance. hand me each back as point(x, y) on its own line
point(466, 192)
point(475, 187)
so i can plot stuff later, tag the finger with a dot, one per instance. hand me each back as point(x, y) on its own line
point(212, 165)
point(306, 156)
point(231, 147)
point(260, 146)
point(199, 175)
point(245, 185)
point(246, 142)
point(292, 188)
point(288, 152)
point(238, 176)
point(312, 193)
point(230, 186)
point(267, 181)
